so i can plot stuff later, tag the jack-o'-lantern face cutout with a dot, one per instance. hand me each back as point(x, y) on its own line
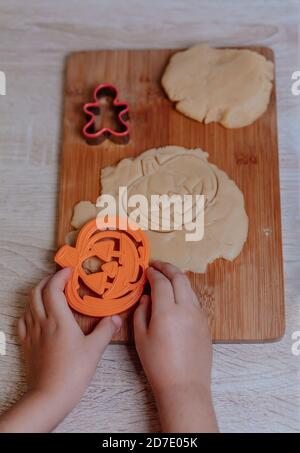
point(118, 283)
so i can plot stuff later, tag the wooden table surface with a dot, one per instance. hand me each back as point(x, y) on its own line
point(255, 387)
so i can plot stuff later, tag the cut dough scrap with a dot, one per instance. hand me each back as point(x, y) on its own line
point(71, 237)
point(178, 170)
point(231, 86)
point(83, 212)
point(92, 264)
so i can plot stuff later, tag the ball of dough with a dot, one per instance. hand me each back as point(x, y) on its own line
point(177, 170)
point(230, 86)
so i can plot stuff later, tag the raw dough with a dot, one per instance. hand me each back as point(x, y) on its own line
point(92, 264)
point(71, 236)
point(177, 170)
point(230, 86)
point(83, 212)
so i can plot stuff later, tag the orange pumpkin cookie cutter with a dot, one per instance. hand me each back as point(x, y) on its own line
point(119, 284)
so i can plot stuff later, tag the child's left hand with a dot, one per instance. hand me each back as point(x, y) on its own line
point(59, 358)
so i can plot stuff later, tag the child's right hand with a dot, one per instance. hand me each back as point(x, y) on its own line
point(174, 345)
point(60, 359)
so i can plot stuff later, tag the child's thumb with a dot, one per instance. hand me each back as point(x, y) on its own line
point(104, 331)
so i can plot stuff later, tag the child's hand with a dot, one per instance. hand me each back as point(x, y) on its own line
point(174, 345)
point(59, 358)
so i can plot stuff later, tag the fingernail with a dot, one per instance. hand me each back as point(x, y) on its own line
point(117, 320)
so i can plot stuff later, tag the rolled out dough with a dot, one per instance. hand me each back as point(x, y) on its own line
point(176, 170)
point(231, 86)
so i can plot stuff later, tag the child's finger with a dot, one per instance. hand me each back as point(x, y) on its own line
point(183, 292)
point(28, 318)
point(142, 315)
point(166, 268)
point(22, 331)
point(54, 299)
point(162, 295)
point(103, 333)
point(36, 301)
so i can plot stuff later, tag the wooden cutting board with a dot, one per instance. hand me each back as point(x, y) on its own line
point(245, 298)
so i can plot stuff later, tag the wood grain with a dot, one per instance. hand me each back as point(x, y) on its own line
point(244, 298)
